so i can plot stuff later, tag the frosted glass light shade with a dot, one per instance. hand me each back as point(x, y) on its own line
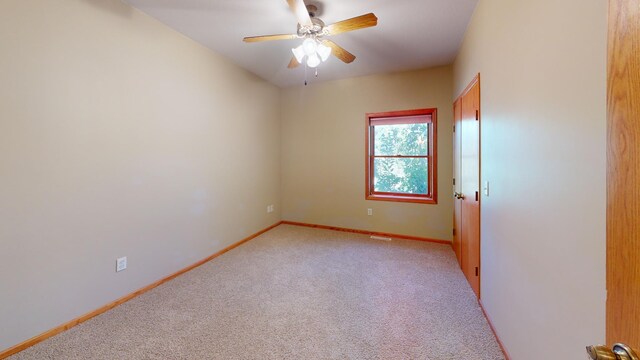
point(310, 46)
point(298, 53)
point(313, 61)
point(324, 52)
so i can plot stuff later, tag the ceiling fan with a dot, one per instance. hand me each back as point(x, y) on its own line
point(313, 30)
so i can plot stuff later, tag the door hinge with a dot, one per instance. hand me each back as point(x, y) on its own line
point(454, 181)
point(477, 115)
point(454, 232)
point(476, 271)
point(454, 128)
point(477, 196)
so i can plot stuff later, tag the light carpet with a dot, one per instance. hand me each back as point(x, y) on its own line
point(296, 293)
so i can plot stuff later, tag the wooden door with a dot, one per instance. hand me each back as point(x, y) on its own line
point(623, 174)
point(457, 214)
point(466, 239)
point(470, 185)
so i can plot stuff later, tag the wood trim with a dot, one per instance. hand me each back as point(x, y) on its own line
point(433, 152)
point(419, 199)
point(68, 325)
point(456, 243)
point(402, 156)
point(623, 174)
point(475, 80)
point(493, 329)
point(432, 196)
point(367, 232)
point(401, 113)
point(479, 119)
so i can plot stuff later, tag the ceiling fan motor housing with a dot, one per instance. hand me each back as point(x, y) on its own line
point(315, 30)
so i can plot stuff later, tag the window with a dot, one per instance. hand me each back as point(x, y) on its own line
point(401, 156)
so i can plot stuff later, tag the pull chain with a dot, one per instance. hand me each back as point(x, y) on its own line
point(305, 74)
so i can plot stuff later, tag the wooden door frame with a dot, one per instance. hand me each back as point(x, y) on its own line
point(457, 144)
point(623, 174)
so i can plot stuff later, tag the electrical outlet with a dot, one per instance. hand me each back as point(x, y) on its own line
point(121, 264)
point(369, 212)
point(270, 208)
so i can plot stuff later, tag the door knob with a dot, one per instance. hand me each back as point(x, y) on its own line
point(458, 195)
point(619, 352)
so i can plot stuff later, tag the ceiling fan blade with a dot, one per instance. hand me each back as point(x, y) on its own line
point(300, 9)
point(270, 37)
point(293, 63)
point(356, 23)
point(339, 52)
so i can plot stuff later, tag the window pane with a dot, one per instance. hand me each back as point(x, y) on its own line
point(401, 139)
point(400, 175)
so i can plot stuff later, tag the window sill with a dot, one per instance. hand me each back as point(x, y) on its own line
point(403, 198)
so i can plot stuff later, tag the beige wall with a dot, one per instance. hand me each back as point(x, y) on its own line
point(542, 65)
point(119, 137)
point(323, 155)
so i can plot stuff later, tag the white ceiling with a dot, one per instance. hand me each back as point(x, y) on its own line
point(411, 34)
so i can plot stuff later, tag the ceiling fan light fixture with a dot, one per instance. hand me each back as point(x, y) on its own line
point(324, 52)
point(313, 61)
point(298, 52)
point(315, 48)
point(310, 46)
